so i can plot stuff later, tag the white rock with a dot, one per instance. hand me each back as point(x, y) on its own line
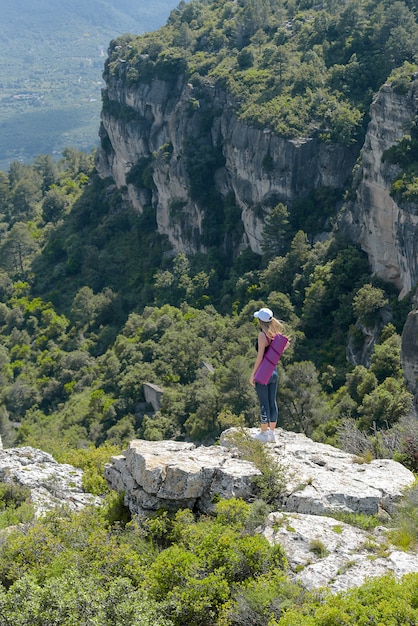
point(322, 479)
point(51, 484)
point(350, 555)
point(319, 480)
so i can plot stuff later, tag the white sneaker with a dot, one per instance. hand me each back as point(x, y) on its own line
point(270, 436)
point(261, 437)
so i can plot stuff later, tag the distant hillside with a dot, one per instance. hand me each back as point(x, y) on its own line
point(51, 61)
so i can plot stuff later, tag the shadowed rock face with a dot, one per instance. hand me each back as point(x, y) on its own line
point(172, 122)
point(409, 354)
point(387, 232)
point(179, 125)
point(320, 481)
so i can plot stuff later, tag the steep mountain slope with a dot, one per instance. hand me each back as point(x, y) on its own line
point(51, 61)
point(218, 132)
point(232, 110)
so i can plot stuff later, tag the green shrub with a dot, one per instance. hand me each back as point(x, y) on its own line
point(255, 602)
point(405, 520)
point(92, 461)
point(197, 601)
point(318, 548)
point(379, 601)
point(15, 505)
point(272, 479)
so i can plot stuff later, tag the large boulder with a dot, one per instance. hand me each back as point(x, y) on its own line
point(174, 474)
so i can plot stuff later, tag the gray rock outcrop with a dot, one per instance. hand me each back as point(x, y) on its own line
point(409, 354)
point(323, 552)
point(51, 484)
point(153, 394)
point(320, 481)
point(172, 125)
point(174, 475)
point(387, 232)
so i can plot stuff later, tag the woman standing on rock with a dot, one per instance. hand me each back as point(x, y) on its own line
point(269, 328)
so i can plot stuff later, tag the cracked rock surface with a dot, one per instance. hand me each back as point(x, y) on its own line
point(321, 481)
point(51, 484)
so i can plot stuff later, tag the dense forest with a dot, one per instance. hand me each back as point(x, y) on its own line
point(94, 303)
point(92, 308)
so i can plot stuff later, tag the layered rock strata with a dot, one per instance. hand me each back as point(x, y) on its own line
point(174, 125)
point(409, 354)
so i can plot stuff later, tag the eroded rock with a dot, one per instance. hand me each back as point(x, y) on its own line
point(323, 552)
point(320, 479)
point(51, 484)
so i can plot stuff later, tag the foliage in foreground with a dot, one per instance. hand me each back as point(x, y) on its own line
point(379, 601)
point(68, 569)
point(181, 569)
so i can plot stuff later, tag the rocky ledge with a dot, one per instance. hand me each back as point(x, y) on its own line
point(51, 484)
point(321, 481)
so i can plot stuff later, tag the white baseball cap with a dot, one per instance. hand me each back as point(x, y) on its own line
point(265, 315)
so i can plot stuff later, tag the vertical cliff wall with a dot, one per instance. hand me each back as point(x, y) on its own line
point(387, 232)
point(181, 149)
point(409, 353)
point(190, 139)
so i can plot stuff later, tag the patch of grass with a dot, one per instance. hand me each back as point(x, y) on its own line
point(345, 567)
point(272, 480)
point(366, 457)
point(402, 538)
point(359, 520)
point(318, 548)
point(404, 534)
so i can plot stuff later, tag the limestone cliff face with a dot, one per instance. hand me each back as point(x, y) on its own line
point(185, 132)
point(182, 131)
point(409, 353)
point(387, 232)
